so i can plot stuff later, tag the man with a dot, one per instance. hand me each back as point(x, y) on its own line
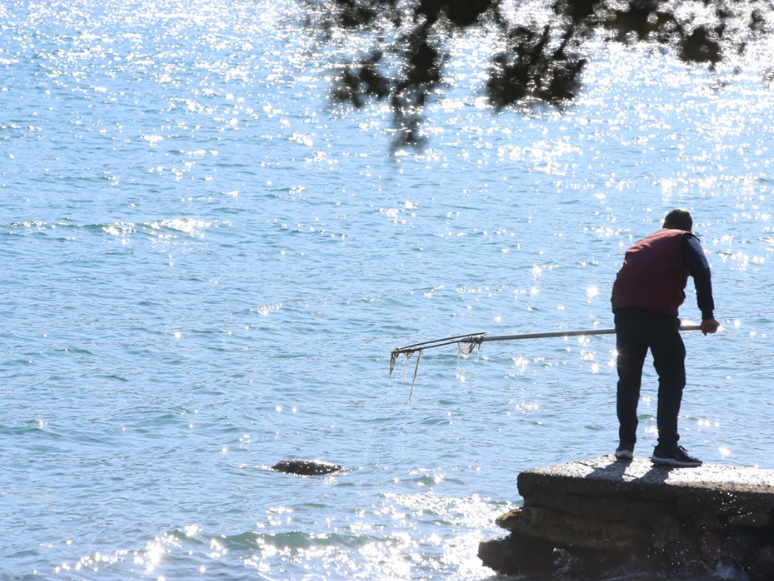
point(646, 296)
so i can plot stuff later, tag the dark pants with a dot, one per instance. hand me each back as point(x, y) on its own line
point(638, 330)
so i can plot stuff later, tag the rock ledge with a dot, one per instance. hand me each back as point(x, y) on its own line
point(601, 516)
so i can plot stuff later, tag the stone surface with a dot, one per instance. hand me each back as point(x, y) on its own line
point(617, 477)
point(760, 566)
point(607, 515)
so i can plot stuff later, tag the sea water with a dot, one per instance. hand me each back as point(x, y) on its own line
point(205, 265)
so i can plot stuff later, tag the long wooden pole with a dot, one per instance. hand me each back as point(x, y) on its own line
point(477, 338)
point(487, 338)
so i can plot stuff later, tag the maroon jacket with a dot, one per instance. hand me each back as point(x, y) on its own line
point(654, 274)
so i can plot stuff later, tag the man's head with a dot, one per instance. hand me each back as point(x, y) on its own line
point(679, 220)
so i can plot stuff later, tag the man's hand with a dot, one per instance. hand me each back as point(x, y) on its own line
point(709, 326)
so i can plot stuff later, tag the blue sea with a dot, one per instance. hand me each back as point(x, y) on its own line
point(206, 263)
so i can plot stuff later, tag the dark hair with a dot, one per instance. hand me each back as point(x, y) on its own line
point(679, 220)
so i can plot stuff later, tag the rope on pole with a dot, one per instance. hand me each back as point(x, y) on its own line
point(476, 339)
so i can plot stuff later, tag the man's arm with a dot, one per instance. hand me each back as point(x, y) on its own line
point(702, 280)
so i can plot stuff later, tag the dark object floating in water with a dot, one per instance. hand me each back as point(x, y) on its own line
point(305, 467)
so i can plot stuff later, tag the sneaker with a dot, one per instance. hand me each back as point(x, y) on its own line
point(623, 453)
point(678, 457)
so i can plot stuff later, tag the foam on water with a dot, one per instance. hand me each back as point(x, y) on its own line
point(206, 265)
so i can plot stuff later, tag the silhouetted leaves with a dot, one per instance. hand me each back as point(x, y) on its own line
point(529, 69)
point(700, 47)
point(541, 62)
point(354, 86)
point(461, 13)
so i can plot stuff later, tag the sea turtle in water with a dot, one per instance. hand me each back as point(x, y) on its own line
point(306, 467)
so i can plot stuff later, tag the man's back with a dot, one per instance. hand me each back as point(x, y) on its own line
point(653, 274)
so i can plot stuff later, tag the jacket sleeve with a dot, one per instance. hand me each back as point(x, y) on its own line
point(700, 271)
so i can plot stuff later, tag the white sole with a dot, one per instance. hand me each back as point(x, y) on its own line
point(675, 463)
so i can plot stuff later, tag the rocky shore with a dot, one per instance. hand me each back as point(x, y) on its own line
point(602, 517)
